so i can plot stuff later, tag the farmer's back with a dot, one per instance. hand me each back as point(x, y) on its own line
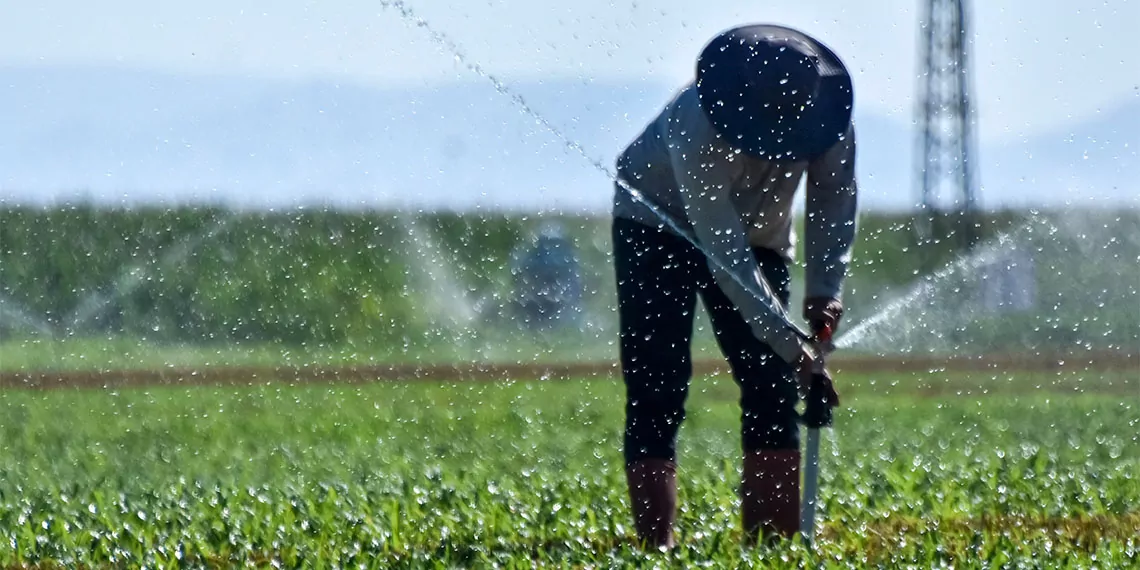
point(763, 195)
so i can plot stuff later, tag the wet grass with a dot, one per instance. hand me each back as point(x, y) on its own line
point(1009, 471)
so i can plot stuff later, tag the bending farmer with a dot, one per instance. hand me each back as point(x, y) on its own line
point(723, 159)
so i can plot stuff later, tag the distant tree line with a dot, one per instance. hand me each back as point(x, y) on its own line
point(318, 276)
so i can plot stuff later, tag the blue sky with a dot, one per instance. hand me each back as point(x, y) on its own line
point(1037, 68)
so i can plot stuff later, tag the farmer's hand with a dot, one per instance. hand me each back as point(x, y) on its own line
point(823, 312)
point(814, 379)
point(821, 397)
point(805, 368)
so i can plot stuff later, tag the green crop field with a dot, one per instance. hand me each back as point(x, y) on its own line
point(932, 469)
point(1022, 470)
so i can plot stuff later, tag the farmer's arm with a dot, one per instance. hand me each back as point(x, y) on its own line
point(705, 178)
point(832, 199)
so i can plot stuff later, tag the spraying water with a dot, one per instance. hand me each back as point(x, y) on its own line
point(445, 292)
point(451, 48)
point(861, 333)
point(1052, 284)
point(978, 258)
point(132, 278)
point(13, 314)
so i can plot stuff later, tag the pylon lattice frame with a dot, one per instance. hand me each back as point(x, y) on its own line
point(946, 161)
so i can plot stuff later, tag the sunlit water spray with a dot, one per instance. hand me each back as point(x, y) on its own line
point(895, 311)
point(937, 312)
point(1051, 285)
point(431, 266)
point(14, 315)
point(129, 280)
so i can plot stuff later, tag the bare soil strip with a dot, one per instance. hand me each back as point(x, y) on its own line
point(498, 372)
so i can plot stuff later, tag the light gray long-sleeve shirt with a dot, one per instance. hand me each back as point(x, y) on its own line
point(729, 201)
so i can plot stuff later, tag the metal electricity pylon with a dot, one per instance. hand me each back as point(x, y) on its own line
point(946, 164)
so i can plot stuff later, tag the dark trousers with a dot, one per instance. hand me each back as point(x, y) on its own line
point(659, 276)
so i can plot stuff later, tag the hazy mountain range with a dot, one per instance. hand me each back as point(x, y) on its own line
point(120, 135)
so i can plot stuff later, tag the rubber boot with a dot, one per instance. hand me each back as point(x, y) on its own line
point(770, 495)
point(653, 500)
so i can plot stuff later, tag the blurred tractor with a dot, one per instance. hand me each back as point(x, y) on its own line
point(547, 280)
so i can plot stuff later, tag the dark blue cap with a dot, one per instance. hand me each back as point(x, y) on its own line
point(774, 92)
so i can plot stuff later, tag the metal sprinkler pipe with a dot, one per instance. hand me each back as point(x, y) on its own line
point(816, 416)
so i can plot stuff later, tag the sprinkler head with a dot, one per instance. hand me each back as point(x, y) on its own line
point(823, 341)
point(824, 334)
